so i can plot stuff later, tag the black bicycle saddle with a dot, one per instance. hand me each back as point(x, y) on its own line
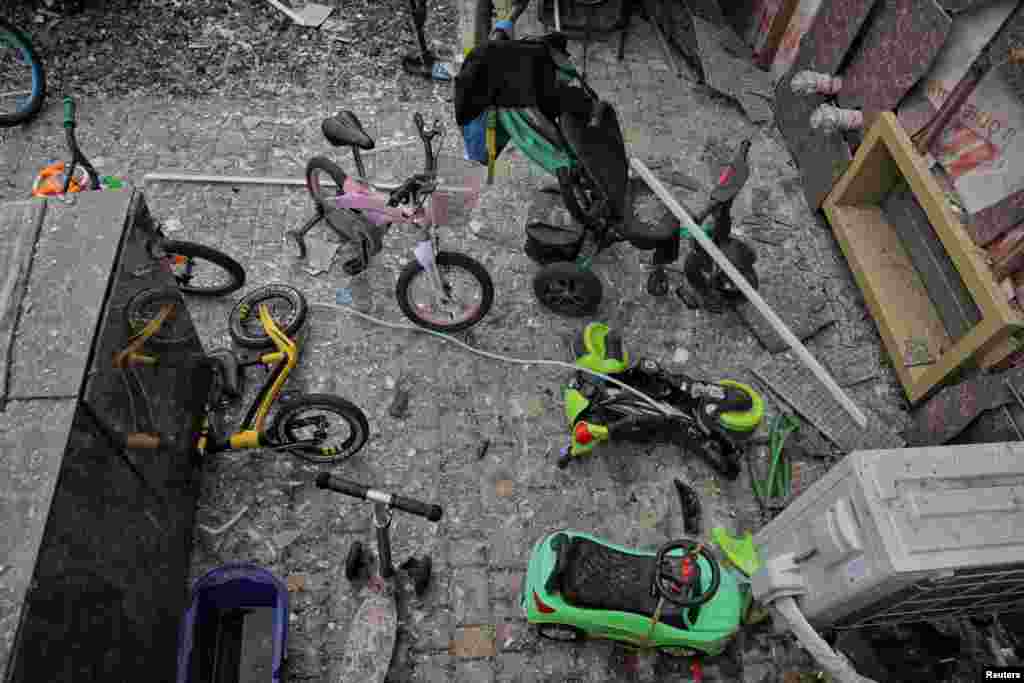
point(344, 130)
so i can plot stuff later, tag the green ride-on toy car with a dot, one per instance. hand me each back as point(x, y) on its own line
point(678, 600)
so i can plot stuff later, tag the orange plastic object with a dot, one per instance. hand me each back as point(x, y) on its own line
point(50, 181)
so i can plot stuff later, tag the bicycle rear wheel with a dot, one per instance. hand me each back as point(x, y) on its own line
point(22, 83)
point(203, 271)
point(145, 306)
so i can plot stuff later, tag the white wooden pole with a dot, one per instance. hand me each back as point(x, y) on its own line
point(266, 180)
point(750, 293)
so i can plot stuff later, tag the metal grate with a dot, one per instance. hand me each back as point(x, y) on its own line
point(965, 593)
point(795, 384)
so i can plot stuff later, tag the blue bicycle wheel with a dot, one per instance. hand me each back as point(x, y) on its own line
point(22, 83)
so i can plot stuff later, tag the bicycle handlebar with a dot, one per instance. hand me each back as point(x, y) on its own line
point(426, 136)
point(77, 157)
point(356, 490)
point(69, 112)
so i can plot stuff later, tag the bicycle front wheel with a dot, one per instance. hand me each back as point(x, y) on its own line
point(466, 299)
point(337, 428)
point(203, 271)
point(288, 308)
point(22, 83)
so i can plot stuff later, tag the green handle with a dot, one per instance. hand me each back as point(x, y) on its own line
point(69, 112)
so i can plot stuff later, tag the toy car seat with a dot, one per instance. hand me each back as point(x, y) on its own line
point(594, 576)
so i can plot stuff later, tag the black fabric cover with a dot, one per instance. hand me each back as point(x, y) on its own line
point(517, 73)
point(602, 151)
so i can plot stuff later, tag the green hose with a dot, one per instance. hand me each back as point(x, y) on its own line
point(780, 471)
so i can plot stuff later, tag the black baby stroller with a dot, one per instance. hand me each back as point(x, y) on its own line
point(535, 99)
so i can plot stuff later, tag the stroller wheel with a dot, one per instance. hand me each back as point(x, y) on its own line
point(567, 289)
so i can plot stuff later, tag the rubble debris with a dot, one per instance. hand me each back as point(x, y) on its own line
point(731, 76)
point(311, 14)
point(482, 451)
point(970, 34)
point(809, 361)
point(991, 222)
point(285, 538)
point(320, 256)
point(399, 407)
point(952, 410)
point(800, 303)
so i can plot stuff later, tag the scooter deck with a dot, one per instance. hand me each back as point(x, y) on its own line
point(371, 640)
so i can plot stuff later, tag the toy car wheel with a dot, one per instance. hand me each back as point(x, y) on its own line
point(561, 632)
point(567, 289)
point(354, 561)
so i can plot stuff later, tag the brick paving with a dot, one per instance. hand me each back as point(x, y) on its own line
point(468, 626)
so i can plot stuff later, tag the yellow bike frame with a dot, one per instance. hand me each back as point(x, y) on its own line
point(282, 362)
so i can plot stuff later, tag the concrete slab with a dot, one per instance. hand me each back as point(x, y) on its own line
point(732, 76)
point(70, 276)
point(798, 298)
point(33, 435)
point(885, 49)
point(20, 223)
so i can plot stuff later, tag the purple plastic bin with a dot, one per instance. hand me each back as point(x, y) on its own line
point(229, 586)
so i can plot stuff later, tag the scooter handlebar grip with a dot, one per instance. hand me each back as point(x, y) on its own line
point(339, 485)
point(142, 441)
point(415, 507)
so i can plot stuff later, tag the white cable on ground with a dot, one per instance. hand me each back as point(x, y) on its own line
point(498, 357)
point(227, 525)
point(788, 611)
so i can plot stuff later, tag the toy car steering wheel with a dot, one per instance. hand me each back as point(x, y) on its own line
point(667, 583)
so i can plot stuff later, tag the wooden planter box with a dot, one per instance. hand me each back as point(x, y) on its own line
point(879, 253)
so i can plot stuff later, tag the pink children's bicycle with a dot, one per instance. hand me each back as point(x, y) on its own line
point(439, 290)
